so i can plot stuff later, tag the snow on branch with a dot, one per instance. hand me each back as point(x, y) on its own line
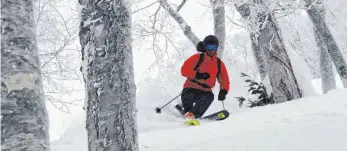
point(179, 19)
point(57, 35)
point(143, 8)
point(181, 5)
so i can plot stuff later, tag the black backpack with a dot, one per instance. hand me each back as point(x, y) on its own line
point(200, 47)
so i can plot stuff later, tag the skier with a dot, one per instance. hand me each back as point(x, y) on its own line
point(201, 71)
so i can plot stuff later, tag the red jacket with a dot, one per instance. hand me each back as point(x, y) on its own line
point(208, 65)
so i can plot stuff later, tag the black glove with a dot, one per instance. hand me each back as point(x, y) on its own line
point(222, 94)
point(204, 75)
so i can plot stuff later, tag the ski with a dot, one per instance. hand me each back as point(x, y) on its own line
point(221, 115)
point(218, 116)
point(192, 122)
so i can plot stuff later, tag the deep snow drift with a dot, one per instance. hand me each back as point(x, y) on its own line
point(316, 123)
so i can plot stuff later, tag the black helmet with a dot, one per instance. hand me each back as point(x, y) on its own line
point(210, 39)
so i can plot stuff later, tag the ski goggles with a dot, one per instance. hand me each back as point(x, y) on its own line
point(211, 47)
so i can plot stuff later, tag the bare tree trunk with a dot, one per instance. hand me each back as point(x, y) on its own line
point(105, 33)
point(24, 122)
point(259, 58)
point(269, 39)
point(244, 11)
point(179, 19)
point(323, 31)
point(219, 24)
point(326, 68)
point(282, 78)
point(326, 65)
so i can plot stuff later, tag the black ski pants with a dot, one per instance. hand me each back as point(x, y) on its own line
point(196, 101)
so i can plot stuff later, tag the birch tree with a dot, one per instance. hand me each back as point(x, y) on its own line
point(324, 33)
point(267, 37)
point(257, 52)
point(218, 11)
point(24, 122)
point(105, 37)
point(326, 65)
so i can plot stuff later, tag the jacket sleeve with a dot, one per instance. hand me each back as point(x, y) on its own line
point(187, 69)
point(223, 78)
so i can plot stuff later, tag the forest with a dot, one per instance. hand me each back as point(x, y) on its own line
point(109, 63)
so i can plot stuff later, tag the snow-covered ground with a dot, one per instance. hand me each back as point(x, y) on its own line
point(316, 123)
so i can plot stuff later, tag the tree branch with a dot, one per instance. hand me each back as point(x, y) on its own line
point(144, 7)
point(181, 5)
point(182, 23)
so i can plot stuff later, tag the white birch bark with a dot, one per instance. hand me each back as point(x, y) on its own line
point(320, 25)
point(105, 34)
point(257, 52)
point(24, 122)
point(218, 10)
point(326, 65)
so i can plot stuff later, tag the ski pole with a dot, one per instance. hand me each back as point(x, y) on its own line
point(223, 105)
point(158, 110)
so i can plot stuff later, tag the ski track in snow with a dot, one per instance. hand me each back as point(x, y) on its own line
point(316, 123)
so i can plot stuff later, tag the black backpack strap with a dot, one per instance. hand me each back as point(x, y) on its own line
point(219, 67)
point(201, 59)
point(199, 83)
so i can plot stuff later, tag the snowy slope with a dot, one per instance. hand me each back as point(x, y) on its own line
point(314, 123)
point(310, 124)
